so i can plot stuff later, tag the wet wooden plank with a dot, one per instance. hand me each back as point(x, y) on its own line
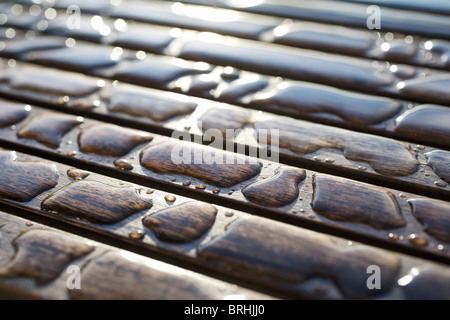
point(384, 116)
point(369, 157)
point(39, 262)
point(150, 206)
point(386, 45)
point(348, 14)
point(304, 197)
point(351, 73)
point(227, 245)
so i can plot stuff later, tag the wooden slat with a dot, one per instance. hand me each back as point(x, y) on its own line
point(257, 185)
point(354, 206)
point(355, 155)
point(225, 241)
point(39, 262)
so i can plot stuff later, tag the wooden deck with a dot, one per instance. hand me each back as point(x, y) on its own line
point(331, 180)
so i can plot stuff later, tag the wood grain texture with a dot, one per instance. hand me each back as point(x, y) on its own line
point(48, 128)
point(281, 253)
point(117, 277)
point(352, 201)
point(272, 255)
point(439, 160)
point(183, 223)
point(36, 259)
point(434, 215)
point(96, 202)
point(278, 191)
point(214, 166)
point(43, 255)
point(111, 140)
point(355, 112)
point(154, 163)
point(22, 181)
point(380, 157)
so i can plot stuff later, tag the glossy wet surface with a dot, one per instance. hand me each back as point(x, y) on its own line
point(35, 246)
point(182, 224)
point(272, 149)
point(96, 202)
point(250, 243)
point(216, 167)
point(22, 181)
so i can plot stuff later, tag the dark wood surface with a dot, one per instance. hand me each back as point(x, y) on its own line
point(272, 159)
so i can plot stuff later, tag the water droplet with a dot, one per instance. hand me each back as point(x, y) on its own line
point(327, 160)
point(402, 195)
point(357, 109)
point(427, 122)
point(393, 236)
point(77, 174)
point(139, 102)
point(440, 184)
point(111, 140)
point(156, 71)
point(95, 202)
point(440, 247)
point(29, 223)
point(48, 81)
point(48, 128)
point(22, 181)
point(43, 255)
point(285, 62)
point(72, 153)
point(418, 240)
point(229, 213)
point(150, 191)
point(11, 113)
point(186, 183)
point(279, 190)
point(434, 215)
point(170, 198)
point(223, 118)
point(200, 187)
point(183, 223)
point(63, 100)
point(433, 89)
point(123, 164)
point(302, 138)
point(225, 170)
point(362, 168)
point(137, 235)
point(217, 190)
point(347, 200)
point(242, 87)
